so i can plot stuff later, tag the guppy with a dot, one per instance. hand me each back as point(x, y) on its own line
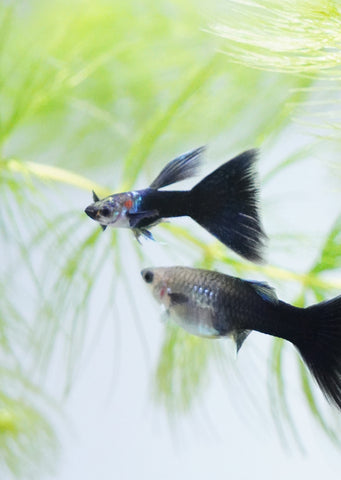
point(213, 305)
point(225, 203)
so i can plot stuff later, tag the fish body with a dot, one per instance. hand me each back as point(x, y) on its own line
point(211, 304)
point(225, 203)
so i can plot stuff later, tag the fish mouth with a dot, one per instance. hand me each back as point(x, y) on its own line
point(91, 211)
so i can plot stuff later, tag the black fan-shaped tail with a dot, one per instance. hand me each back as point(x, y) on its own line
point(226, 204)
point(320, 347)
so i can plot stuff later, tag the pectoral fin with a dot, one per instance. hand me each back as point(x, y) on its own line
point(138, 232)
point(135, 219)
point(178, 298)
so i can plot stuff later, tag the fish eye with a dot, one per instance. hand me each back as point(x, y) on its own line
point(148, 276)
point(105, 211)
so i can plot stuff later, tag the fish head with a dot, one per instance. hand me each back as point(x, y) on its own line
point(186, 304)
point(111, 211)
point(159, 282)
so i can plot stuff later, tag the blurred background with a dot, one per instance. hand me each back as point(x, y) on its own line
point(101, 95)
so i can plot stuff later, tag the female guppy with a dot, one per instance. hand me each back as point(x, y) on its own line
point(225, 203)
point(213, 305)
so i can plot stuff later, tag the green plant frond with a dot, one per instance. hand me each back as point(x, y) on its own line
point(79, 70)
point(14, 333)
point(157, 126)
point(330, 256)
point(288, 36)
point(217, 253)
point(28, 442)
point(309, 395)
point(73, 285)
point(52, 174)
point(280, 409)
point(296, 157)
point(182, 370)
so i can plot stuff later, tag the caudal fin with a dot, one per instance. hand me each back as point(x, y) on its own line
point(320, 347)
point(226, 204)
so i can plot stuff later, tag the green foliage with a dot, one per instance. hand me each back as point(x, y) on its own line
point(330, 257)
point(107, 92)
point(26, 438)
point(289, 36)
point(182, 370)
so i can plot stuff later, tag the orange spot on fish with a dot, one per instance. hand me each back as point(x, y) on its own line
point(128, 203)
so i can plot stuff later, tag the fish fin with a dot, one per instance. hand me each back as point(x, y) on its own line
point(239, 337)
point(319, 344)
point(104, 227)
point(142, 232)
point(184, 166)
point(135, 219)
point(137, 234)
point(178, 298)
point(164, 317)
point(265, 291)
point(95, 197)
point(147, 234)
point(226, 204)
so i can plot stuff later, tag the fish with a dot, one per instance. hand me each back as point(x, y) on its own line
point(225, 203)
point(211, 304)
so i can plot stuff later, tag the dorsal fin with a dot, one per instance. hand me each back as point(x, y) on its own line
point(265, 291)
point(184, 166)
point(95, 197)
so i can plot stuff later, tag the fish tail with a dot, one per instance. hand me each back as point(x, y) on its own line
point(226, 204)
point(320, 346)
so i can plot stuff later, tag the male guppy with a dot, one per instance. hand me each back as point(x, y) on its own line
point(213, 305)
point(225, 203)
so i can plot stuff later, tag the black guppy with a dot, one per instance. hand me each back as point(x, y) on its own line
point(225, 203)
point(211, 304)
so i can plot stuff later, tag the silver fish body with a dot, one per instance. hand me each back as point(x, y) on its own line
point(188, 300)
point(208, 303)
point(212, 304)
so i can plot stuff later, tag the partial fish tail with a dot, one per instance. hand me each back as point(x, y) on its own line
point(226, 204)
point(320, 346)
point(315, 331)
